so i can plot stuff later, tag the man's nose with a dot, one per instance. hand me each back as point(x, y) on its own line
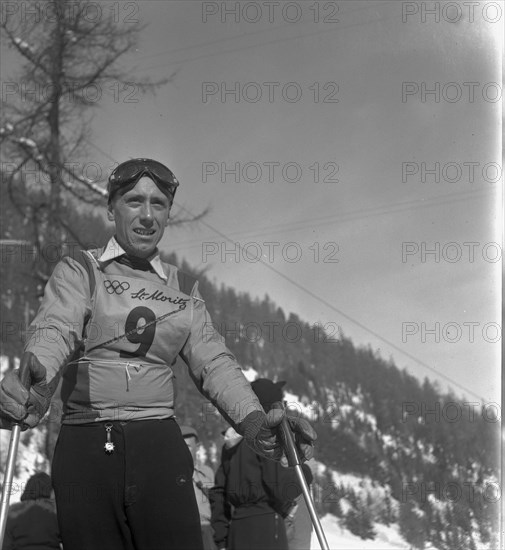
point(146, 214)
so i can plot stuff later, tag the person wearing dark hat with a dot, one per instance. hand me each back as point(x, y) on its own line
point(268, 392)
point(252, 494)
point(32, 523)
point(110, 325)
point(297, 518)
point(203, 480)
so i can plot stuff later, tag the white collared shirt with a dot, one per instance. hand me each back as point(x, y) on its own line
point(114, 250)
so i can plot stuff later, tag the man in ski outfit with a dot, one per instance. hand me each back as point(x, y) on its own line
point(110, 325)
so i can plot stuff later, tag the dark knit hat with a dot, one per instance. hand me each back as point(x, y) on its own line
point(38, 486)
point(268, 392)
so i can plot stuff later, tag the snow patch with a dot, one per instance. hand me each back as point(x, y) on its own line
point(339, 538)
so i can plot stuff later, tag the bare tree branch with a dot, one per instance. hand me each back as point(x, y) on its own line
point(46, 115)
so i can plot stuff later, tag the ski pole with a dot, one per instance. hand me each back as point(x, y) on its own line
point(294, 461)
point(24, 374)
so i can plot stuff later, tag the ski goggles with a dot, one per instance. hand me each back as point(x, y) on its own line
point(125, 176)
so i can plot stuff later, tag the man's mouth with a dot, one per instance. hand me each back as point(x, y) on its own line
point(145, 232)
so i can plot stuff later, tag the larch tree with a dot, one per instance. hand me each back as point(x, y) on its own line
point(68, 53)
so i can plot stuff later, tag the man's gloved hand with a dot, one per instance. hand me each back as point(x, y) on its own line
point(261, 432)
point(17, 404)
point(304, 433)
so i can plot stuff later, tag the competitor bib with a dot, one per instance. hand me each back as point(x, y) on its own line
point(137, 329)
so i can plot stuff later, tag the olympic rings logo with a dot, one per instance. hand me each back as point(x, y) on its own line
point(116, 287)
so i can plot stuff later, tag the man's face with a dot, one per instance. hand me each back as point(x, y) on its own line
point(140, 216)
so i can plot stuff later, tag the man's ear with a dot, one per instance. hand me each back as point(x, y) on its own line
point(169, 212)
point(110, 212)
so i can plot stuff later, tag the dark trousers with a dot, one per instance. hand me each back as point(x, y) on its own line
point(140, 497)
point(265, 532)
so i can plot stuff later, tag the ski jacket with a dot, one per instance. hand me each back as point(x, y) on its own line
point(111, 331)
point(247, 484)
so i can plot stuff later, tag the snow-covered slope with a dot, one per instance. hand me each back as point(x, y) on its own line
point(339, 538)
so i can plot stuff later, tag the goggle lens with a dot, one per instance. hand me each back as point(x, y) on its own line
point(132, 170)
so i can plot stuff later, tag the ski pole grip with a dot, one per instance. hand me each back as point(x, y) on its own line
point(288, 442)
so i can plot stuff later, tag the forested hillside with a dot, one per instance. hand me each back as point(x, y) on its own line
point(433, 455)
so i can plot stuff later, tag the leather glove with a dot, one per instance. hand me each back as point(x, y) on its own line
point(304, 433)
point(261, 432)
point(17, 404)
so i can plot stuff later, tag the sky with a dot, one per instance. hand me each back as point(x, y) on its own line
point(349, 154)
